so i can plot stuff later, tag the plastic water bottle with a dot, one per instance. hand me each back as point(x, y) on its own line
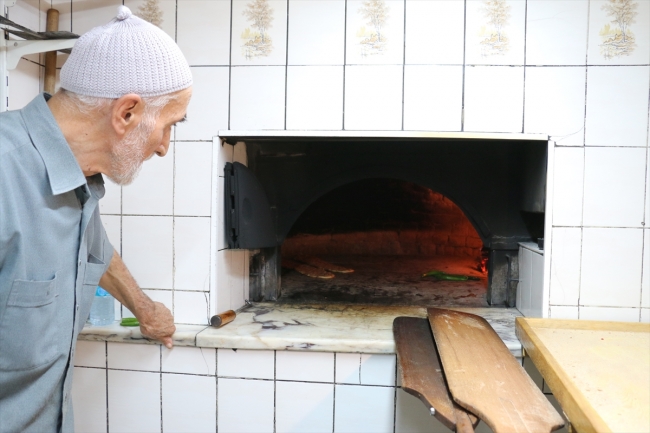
point(102, 312)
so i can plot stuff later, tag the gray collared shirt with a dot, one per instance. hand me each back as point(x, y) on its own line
point(53, 251)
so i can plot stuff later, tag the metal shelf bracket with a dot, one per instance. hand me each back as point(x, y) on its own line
point(17, 49)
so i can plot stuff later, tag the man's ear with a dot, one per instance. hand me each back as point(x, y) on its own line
point(126, 113)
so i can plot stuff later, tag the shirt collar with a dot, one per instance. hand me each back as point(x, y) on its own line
point(63, 170)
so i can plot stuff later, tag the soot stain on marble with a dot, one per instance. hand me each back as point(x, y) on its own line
point(272, 323)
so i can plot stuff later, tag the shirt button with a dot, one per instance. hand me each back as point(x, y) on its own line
point(77, 307)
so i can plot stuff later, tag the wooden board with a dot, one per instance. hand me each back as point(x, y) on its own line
point(422, 375)
point(484, 377)
point(598, 371)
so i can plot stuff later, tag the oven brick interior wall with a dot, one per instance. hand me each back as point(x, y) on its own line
point(383, 217)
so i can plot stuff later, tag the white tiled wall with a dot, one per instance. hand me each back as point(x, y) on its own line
point(432, 73)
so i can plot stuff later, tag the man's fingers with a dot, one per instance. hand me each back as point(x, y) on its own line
point(167, 341)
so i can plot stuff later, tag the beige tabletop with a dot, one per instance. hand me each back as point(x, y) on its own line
point(598, 371)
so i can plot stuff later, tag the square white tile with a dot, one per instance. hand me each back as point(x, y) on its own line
point(566, 250)
point(434, 32)
point(89, 399)
point(364, 409)
point(316, 32)
point(125, 356)
point(257, 97)
point(189, 360)
point(191, 308)
point(603, 31)
point(348, 368)
point(231, 279)
point(568, 185)
point(113, 227)
point(239, 288)
point(611, 267)
point(315, 97)
point(90, 354)
point(555, 103)
point(494, 99)
point(375, 32)
point(147, 250)
point(111, 203)
point(433, 97)
point(192, 253)
point(166, 8)
point(204, 31)
point(86, 16)
point(610, 314)
point(304, 366)
point(259, 35)
point(189, 403)
point(373, 97)
point(24, 84)
point(193, 178)
point(378, 369)
point(208, 109)
point(645, 315)
point(564, 312)
point(645, 283)
point(614, 186)
point(256, 364)
point(304, 407)
point(133, 401)
point(234, 400)
point(412, 416)
point(556, 32)
point(495, 33)
point(152, 192)
point(617, 106)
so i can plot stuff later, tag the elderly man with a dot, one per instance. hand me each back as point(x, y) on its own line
point(123, 88)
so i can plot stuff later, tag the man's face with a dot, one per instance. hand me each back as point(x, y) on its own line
point(150, 136)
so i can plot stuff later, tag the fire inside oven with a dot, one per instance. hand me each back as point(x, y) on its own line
point(390, 222)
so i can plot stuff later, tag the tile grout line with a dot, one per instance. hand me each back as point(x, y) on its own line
point(275, 392)
point(404, 65)
point(345, 59)
point(286, 69)
point(334, 397)
point(523, 107)
point(462, 96)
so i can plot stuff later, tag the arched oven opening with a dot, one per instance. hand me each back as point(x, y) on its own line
point(391, 242)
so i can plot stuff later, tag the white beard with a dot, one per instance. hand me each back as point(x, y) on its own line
point(128, 153)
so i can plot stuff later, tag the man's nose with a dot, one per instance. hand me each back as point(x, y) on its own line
point(164, 146)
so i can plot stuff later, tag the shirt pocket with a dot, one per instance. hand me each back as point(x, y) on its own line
point(27, 333)
point(95, 268)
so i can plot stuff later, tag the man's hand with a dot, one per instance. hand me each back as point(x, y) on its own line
point(158, 324)
point(156, 321)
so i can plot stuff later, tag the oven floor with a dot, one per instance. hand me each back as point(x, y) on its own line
point(389, 280)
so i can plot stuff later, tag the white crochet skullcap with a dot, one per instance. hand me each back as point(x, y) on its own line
point(127, 55)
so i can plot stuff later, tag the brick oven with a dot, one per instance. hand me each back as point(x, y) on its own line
point(391, 207)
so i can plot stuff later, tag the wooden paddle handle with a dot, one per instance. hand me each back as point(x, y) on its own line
point(463, 423)
point(49, 82)
point(224, 318)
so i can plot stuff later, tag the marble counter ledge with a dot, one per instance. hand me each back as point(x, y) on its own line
point(185, 335)
point(322, 328)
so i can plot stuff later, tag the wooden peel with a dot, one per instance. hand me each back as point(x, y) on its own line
point(49, 81)
point(484, 377)
point(422, 375)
